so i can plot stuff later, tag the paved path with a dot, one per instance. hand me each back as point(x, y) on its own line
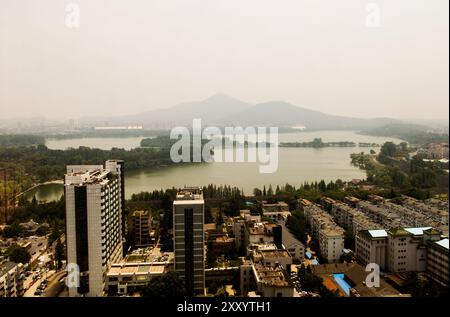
point(30, 292)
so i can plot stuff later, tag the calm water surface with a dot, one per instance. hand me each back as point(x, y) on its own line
point(296, 165)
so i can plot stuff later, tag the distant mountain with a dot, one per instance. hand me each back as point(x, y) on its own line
point(222, 110)
point(283, 114)
point(210, 110)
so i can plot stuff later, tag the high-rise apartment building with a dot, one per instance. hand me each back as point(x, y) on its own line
point(189, 244)
point(94, 223)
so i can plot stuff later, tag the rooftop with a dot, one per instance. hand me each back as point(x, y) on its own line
point(263, 246)
point(443, 243)
point(352, 199)
point(140, 213)
point(135, 269)
point(189, 193)
point(381, 233)
point(210, 226)
point(268, 254)
point(270, 275)
point(95, 176)
point(7, 266)
point(356, 274)
point(304, 202)
point(417, 231)
point(277, 204)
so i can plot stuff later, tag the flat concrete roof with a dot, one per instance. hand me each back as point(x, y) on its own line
point(378, 233)
point(417, 231)
point(443, 243)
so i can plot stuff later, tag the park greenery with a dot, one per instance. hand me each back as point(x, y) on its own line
point(52, 213)
point(395, 168)
point(9, 140)
point(166, 286)
point(44, 164)
point(18, 254)
point(112, 133)
point(318, 143)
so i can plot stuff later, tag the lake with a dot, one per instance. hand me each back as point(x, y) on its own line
point(296, 165)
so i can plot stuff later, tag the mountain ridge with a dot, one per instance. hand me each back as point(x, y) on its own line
point(223, 110)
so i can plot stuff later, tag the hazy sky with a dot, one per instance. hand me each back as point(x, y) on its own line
point(132, 56)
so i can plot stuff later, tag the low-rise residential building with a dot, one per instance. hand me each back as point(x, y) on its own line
point(329, 235)
point(252, 249)
point(259, 232)
point(295, 248)
point(141, 224)
point(247, 279)
point(434, 209)
point(371, 247)
point(136, 270)
point(273, 257)
point(275, 207)
point(276, 215)
point(276, 211)
point(362, 222)
point(127, 277)
point(331, 242)
point(327, 203)
point(302, 203)
point(239, 232)
point(396, 250)
point(272, 281)
point(11, 279)
point(437, 261)
point(351, 201)
point(222, 245)
point(264, 271)
point(380, 214)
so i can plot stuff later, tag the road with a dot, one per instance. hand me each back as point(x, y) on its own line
point(30, 291)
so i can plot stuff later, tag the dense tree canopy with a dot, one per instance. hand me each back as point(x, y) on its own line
point(165, 286)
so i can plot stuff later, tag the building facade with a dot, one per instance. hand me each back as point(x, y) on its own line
point(189, 240)
point(437, 261)
point(396, 250)
point(94, 224)
point(141, 222)
point(11, 279)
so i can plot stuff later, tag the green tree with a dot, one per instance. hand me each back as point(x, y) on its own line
point(388, 149)
point(167, 286)
point(54, 235)
point(59, 253)
point(219, 219)
point(12, 231)
point(311, 282)
point(213, 288)
point(18, 254)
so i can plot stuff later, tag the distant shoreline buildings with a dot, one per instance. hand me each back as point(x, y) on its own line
point(107, 128)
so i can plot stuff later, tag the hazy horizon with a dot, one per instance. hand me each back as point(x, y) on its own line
point(127, 58)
